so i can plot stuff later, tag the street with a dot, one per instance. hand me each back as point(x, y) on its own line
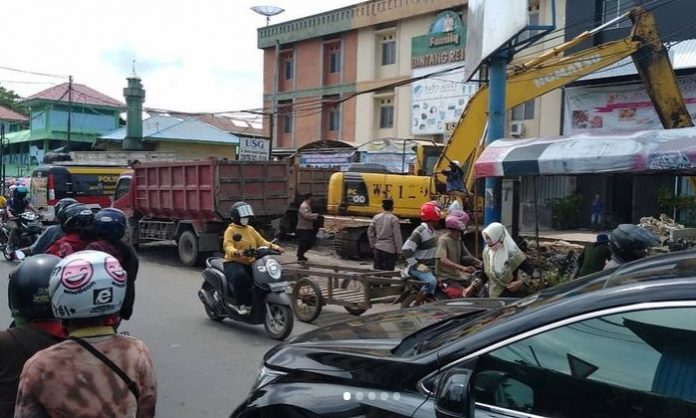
point(204, 369)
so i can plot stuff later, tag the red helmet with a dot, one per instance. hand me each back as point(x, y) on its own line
point(429, 212)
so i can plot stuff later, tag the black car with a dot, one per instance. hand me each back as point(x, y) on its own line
point(614, 344)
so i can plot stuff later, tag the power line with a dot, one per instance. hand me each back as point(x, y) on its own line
point(33, 72)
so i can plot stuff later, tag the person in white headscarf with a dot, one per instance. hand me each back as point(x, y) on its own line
point(502, 261)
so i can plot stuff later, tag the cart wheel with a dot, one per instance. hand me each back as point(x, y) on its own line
point(307, 300)
point(355, 286)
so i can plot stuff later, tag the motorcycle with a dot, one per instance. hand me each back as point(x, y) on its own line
point(271, 305)
point(446, 289)
point(29, 228)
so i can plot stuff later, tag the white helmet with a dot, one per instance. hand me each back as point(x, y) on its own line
point(87, 284)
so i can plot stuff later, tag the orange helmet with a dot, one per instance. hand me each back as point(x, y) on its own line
point(430, 212)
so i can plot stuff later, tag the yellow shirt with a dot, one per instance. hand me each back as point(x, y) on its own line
point(3, 202)
point(250, 239)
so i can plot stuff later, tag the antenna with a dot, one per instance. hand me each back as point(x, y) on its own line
point(268, 11)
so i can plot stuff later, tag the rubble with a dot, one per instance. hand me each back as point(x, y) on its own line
point(556, 262)
point(662, 227)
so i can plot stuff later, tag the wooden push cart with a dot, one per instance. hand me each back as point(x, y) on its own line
point(356, 289)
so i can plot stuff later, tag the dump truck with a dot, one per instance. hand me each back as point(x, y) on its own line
point(188, 202)
point(361, 194)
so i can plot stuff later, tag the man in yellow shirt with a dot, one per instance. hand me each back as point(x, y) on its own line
point(237, 265)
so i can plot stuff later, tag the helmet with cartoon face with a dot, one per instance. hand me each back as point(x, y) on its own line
point(87, 284)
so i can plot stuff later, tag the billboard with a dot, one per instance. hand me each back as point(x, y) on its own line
point(617, 108)
point(490, 25)
point(438, 101)
point(253, 149)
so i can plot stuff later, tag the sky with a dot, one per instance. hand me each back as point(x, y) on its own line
point(193, 56)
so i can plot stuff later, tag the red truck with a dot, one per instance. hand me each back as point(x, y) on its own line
point(189, 201)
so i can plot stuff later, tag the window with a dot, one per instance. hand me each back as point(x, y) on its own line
point(525, 111)
point(388, 49)
point(334, 119)
point(533, 21)
point(637, 363)
point(334, 60)
point(386, 114)
point(287, 123)
point(615, 8)
point(289, 69)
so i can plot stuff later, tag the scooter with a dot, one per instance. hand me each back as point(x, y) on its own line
point(271, 305)
point(29, 228)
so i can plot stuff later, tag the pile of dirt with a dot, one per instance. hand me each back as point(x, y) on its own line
point(555, 262)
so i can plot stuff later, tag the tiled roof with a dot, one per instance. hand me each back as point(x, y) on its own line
point(7, 114)
point(169, 128)
point(80, 94)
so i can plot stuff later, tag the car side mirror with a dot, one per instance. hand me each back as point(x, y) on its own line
point(237, 237)
point(453, 396)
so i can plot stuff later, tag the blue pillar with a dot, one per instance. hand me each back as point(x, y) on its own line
point(497, 71)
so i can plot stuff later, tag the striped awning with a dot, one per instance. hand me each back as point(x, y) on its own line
point(640, 152)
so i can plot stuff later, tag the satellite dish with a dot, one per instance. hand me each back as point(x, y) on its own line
point(268, 11)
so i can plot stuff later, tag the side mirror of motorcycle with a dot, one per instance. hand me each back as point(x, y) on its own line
point(237, 237)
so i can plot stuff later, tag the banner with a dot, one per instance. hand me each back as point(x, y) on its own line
point(438, 101)
point(340, 160)
point(617, 108)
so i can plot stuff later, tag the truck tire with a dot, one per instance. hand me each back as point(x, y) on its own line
point(188, 249)
point(352, 243)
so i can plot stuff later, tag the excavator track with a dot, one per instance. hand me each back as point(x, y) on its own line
point(351, 243)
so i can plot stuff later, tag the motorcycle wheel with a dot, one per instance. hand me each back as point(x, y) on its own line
point(4, 245)
point(212, 315)
point(278, 322)
point(410, 300)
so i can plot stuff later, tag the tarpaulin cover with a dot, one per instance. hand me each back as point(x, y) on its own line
point(638, 152)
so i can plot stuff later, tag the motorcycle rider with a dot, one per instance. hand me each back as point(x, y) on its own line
point(452, 256)
point(51, 233)
point(109, 228)
point(34, 326)
point(95, 372)
point(76, 223)
point(419, 251)
point(629, 242)
point(17, 205)
point(237, 264)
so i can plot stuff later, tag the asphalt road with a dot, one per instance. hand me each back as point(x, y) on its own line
point(204, 369)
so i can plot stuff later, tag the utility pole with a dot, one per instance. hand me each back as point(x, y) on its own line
point(69, 111)
point(497, 68)
point(2, 156)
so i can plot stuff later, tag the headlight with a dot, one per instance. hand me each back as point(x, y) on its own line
point(274, 269)
point(266, 377)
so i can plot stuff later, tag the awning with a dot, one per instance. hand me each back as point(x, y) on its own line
point(641, 152)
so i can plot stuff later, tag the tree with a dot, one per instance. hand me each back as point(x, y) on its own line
point(10, 100)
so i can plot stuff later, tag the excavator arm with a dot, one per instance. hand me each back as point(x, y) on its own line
point(550, 71)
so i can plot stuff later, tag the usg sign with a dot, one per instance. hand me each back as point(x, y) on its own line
point(253, 149)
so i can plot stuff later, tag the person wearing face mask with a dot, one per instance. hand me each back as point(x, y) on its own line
point(238, 265)
point(502, 262)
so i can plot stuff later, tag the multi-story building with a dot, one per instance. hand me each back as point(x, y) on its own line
point(347, 74)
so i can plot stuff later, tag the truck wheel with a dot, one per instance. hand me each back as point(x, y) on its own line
point(188, 249)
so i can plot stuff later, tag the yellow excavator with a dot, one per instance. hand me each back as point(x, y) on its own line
point(360, 194)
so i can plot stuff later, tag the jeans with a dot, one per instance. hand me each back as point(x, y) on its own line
point(596, 219)
point(429, 279)
point(241, 278)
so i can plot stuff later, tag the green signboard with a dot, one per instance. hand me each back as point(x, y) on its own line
point(443, 44)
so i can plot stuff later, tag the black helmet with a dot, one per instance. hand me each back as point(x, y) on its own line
point(62, 204)
point(110, 224)
point(241, 210)
point(20, 192)
point(629, 242)
point(28, 288)
point(76, 218)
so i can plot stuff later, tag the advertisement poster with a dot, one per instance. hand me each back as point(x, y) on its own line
point(616, 108)
point(340, 160)
point(437, 102)
point(394, 154)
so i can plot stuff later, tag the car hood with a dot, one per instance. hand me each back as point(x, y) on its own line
point(366, 342)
